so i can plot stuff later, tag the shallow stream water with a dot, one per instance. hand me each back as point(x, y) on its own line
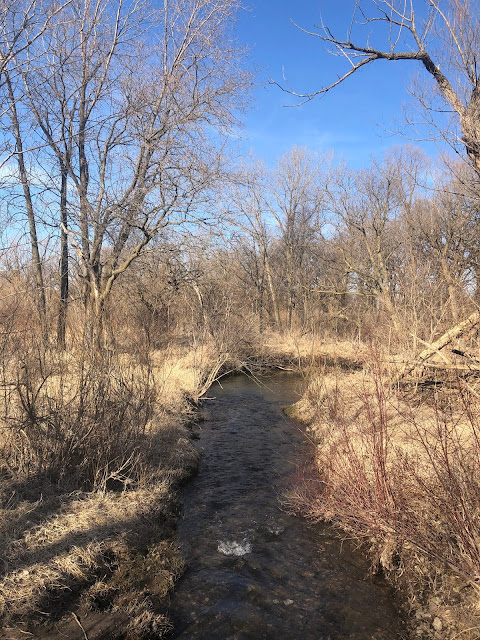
point(254, 571)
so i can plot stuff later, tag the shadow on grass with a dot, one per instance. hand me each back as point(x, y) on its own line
point(133, 557)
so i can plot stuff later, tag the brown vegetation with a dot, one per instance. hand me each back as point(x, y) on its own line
point(154, 265)
point(91, 464)
point(399, 471)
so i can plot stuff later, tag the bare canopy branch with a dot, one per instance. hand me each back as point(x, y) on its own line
point(450, 58)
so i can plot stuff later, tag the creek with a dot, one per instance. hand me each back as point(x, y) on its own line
point(255, 571)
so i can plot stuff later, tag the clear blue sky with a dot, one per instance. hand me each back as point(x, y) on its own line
point(352, 120)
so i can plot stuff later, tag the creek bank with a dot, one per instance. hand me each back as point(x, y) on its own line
point(102, 562)
point(129, 562)
point(394, 468)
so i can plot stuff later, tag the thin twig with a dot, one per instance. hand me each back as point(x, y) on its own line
point(75, 617)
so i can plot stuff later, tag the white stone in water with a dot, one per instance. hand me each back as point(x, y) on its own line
point(235, 548)
point(437, 624)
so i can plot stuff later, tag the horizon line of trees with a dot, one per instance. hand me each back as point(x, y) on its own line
point(120, 203)
point(388, 252)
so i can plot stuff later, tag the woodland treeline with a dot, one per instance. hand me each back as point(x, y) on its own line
point(385, 252)
point(126, 218)
point(131, 223)
point(389, 252)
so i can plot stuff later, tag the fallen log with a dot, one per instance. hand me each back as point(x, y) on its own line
point(452, 334)
point(470, 356)
point(451, 367)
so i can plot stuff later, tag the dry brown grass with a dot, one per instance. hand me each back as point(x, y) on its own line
point(89, 535)
point(180, 372)
point(94, 452)
point(305, 348)
point(401, 473)
point(66, 531)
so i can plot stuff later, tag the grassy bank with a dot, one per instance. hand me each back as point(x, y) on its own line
point(93, 456)
point(94, 453)
point(400, 471)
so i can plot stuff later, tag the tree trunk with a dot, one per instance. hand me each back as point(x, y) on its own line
point(273, 295)
point(450, 288)
point(63, 306)
point(290, 288)
point(99, 334)
point(260, 303)
point(83, 191)
point(36, 261)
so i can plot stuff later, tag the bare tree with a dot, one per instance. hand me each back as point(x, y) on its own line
point(297, 189)
point(141, 111)
point(65, 93)
point(22, 24)
point(369, 206)
point(446, 43)
point(366, 203)
point(445, 229)
point(249, 203)
point(28, 200)
point(279, 211)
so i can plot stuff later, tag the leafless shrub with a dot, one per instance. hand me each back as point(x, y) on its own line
point(77, 421)
point(403, 478)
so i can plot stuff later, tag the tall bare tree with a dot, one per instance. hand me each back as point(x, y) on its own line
point(297, 189)
point(144, 113)
point(446, 43)
point(249, 201)
point(22, 24)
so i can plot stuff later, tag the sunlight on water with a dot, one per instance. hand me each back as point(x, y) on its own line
point(235, 548)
